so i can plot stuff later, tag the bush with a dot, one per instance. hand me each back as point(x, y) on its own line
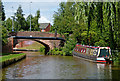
point(42, 49)
point(69, 46)
point(55, 51)
point(116, 56)
point(101, 43)
point(66, 50)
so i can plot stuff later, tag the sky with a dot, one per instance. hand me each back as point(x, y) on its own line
point(46, 7)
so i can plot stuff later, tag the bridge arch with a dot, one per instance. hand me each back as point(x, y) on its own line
point(47, 47)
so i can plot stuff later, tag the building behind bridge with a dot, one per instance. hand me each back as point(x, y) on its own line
point(45, 27)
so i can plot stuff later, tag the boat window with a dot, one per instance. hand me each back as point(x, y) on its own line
point(81, 49)
point(84, 50)
point(104, 52)
point(75, 49)
point(95, 52)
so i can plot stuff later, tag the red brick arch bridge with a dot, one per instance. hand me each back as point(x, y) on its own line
point(49, 40)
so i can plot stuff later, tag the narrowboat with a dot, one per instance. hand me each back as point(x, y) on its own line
point(92, 53)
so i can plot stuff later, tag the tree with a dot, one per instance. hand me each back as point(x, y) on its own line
point(4, 36)
point(118, 25)
point(65, 15)
point(28, 21)
point(34, 21)
point(2, 25)
point(69, 46)
point(21, 23)
point(93, 23)
point(38, 14)
point(2, 12)
point(9, 24)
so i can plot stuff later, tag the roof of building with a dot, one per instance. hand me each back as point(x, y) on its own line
point(43, 25)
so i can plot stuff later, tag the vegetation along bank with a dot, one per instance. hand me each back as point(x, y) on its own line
point(12, 58)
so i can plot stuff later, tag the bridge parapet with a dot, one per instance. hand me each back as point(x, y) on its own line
point(34, 34)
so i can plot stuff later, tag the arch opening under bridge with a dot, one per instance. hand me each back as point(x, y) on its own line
point(47, 47)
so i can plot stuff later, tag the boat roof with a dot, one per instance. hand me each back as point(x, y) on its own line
point(89, 46)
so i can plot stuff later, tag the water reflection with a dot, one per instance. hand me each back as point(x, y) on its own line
point(104, 70)
point(37, 66)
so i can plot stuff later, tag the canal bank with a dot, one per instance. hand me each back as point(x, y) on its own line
point(11, 58)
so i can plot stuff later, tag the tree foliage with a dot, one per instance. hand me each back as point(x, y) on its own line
point(18, 22)
point(91, 23)
point(2, 11)
point(3, 30)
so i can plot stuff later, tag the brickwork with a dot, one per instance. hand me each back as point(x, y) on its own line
point(34, 34)
point(47, 28)
point(8, 48)
point(24, 43)
point(49, 44)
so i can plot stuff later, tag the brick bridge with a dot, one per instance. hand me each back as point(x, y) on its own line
point(49, 44)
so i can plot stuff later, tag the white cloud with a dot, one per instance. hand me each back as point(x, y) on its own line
point(43, 20)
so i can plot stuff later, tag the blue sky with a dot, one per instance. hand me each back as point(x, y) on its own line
point(46, 7)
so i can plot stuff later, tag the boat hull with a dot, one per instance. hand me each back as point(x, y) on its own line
point(91, 58)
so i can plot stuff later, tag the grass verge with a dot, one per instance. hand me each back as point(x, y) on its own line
point(11, 56)
point(35, 46)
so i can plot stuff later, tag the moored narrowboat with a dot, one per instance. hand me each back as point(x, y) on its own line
point(92, 53)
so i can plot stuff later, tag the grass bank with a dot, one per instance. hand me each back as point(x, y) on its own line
point(9, 59)
point(4, 54)
point(35, 46)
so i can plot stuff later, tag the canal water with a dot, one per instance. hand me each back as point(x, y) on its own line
point(39, 66)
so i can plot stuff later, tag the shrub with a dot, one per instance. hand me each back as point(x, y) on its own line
point(42, 49)
point(101, 43)
point(69, 46)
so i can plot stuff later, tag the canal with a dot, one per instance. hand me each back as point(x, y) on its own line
point(39, 66)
